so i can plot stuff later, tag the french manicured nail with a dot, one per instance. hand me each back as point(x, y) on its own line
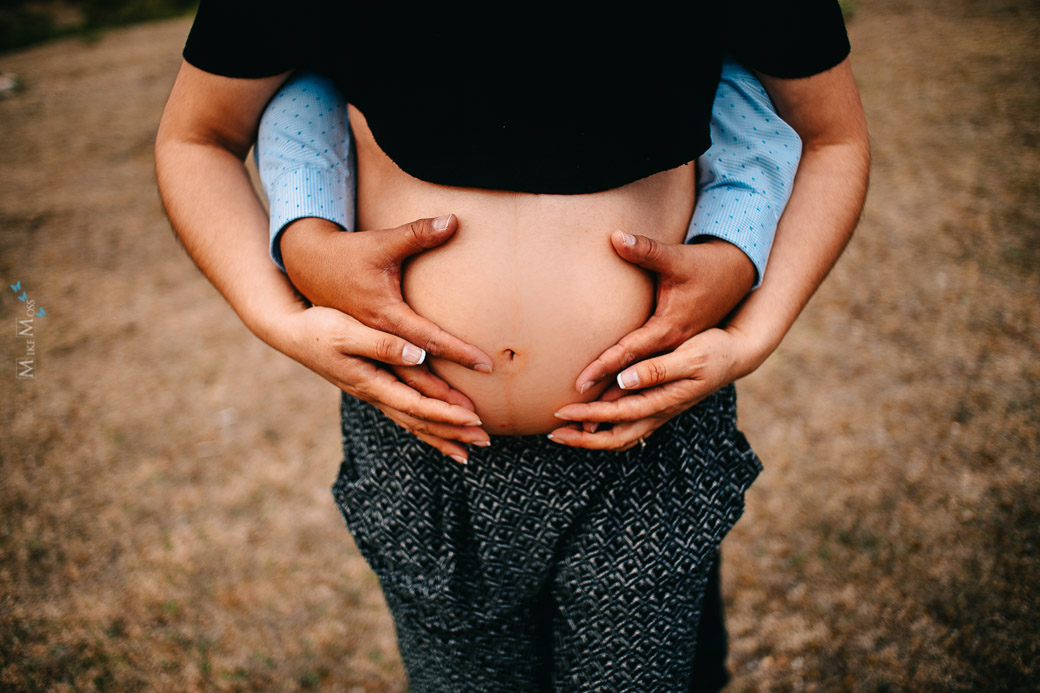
point(441, 223)
point(482, 443)
point(585, 386)
point(460, 459)
point(550, 437)
point(475, 422)
point(628, 379)
point(628, 238)
point(482, 368)
point(413, 354)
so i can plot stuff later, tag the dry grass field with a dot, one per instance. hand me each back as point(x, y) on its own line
point(165, 521)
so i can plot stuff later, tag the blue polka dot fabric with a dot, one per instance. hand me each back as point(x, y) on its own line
point(303, 153)
point(744, 178)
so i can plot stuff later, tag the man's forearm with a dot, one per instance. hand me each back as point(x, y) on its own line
point(744, 177)
point(303, 155)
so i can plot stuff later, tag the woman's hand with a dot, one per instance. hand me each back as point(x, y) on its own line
point(697, 286)
point(825, 203)
point(658, 389)
point(206, 130)
point(351, 356)
point(359, 275)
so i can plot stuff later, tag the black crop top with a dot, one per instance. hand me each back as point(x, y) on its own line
point(526, 103)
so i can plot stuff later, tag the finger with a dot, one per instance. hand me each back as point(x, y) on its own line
point(653, 337)
point(656, 371)
point(452, 450)
point(401, 320)
point(617, 438)
point(350, 336)
point(421, 379)
point(367, 381)
point(662, 399)
point(470, 435)
point(446, 439)
point(419, 235)
point(662, 258)
point(612, 393)
point(609, 395)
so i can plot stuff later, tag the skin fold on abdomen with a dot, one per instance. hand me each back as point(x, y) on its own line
point(532, 280)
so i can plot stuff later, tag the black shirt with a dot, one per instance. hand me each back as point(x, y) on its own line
point(522, 101)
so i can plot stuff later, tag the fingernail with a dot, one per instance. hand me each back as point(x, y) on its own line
point(482, 443)
point(459, 458)
point(628, 238)
point(585, 386)
point(476, 422)
point(628, 379)
point(441, 223)
point(413, 354)
point(550, 437)
point(482, 368)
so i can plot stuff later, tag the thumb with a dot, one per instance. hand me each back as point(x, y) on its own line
point(646, 252)
point(419, 235)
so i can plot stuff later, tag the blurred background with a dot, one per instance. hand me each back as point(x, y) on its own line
point(165, 520)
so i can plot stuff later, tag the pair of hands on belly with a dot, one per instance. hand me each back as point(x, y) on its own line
point(697, 286)
point(359, 274)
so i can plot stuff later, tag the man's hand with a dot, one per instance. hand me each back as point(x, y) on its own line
point(697, 286)
point(825, 203)
point(206, 130)
point(360, 274)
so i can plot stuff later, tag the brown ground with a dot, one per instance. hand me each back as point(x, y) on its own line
point(166, 522)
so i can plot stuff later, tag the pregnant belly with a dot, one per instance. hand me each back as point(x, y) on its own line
point(532, 280)
point(538, 297)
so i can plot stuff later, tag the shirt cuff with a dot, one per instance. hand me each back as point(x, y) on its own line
point(744, 179)
point(735, 216)
point(301, 193)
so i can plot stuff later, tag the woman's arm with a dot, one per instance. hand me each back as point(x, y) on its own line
point(303, 153)
point(825, 204)
point(206, 130)
point(744, 180)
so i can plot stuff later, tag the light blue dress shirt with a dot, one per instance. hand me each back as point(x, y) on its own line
point(744, 179)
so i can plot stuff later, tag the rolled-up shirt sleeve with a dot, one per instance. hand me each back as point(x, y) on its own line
point(744, 179)
point(304, 157)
